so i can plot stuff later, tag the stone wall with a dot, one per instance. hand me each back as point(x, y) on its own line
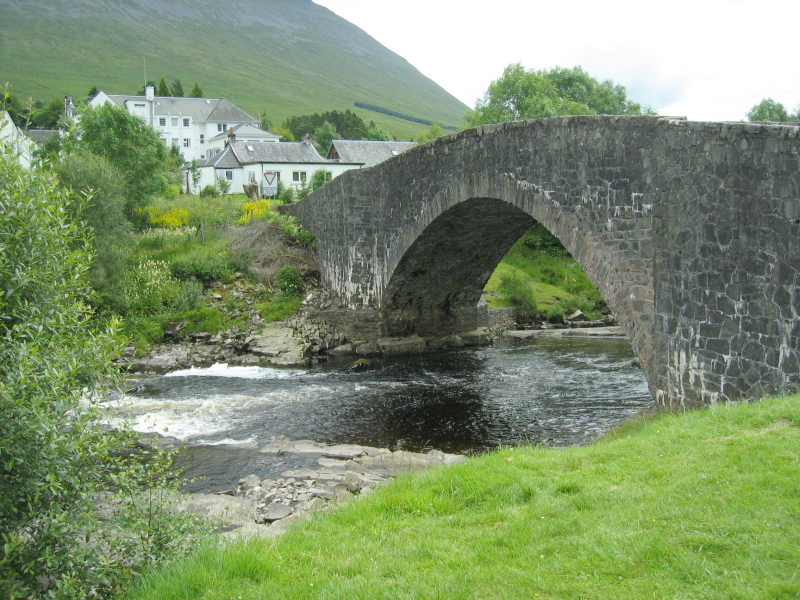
point(689, 230)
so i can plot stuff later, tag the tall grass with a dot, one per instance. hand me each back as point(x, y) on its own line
point(698, 505)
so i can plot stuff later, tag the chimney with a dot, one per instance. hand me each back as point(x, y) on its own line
point(231, 136)
point(150, 92)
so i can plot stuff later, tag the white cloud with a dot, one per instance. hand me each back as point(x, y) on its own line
point(707, 59)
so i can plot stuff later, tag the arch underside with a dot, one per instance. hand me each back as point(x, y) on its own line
point(436, 286)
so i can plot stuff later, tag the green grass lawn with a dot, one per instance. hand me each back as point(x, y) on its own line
point(704, 504)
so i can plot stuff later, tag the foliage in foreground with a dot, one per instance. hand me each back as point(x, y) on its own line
point(699, 505)
point(57, 457)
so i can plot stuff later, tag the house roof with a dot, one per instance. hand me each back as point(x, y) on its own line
point(224, 160)
point(203, 110)
point(281, 152)
point(40, 135)
point(366, 152)
point(247, 130)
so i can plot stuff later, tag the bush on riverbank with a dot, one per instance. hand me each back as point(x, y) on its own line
point(702, 504)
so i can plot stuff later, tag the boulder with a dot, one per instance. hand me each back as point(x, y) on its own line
point(401, 346)
point(168, 358)
point(276, 344)
point(478, 337)
point(451, 341)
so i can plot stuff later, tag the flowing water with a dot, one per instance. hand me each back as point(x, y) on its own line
point(549, 391)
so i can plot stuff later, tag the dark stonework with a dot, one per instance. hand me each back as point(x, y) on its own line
point(690, 231)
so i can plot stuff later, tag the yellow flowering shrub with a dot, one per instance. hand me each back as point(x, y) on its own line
point(172, 219)
point(254, 210)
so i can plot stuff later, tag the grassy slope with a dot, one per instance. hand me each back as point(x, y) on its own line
point(552, 278)
point(698, 505)
point(282, 58)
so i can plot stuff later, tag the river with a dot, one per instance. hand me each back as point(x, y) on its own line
point(544, 391)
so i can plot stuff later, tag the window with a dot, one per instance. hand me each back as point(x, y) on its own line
point(202, 139)
point(222, 127)
point(174, 141)
point(187, 143)
point(229, 175)
point(162, 121)
point(140, 105)
point(174, 121)
point(186, 122)
point(299, 176)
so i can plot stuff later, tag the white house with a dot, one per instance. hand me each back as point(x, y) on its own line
point(240, 133)
point(21, 145)
point(187, 123)
point(292, 163)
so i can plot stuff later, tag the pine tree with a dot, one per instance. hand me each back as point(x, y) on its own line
point(196, 91)
point(162, 90)
point(177, 89)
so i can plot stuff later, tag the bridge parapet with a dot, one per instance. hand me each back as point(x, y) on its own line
point(691, 231)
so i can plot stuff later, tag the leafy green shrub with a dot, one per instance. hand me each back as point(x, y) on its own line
point(210, 191)
point(517, 293)
point(285, 195)
point(203, 266)
point(150, 288)
point(190, 295)
point(289, 281)
point(59, 463)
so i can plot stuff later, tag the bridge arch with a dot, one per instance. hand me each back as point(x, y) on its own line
point(689, 230)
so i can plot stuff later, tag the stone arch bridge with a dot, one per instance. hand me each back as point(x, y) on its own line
point(690, 230)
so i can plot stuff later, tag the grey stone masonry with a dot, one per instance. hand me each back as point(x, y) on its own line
point(690, 230)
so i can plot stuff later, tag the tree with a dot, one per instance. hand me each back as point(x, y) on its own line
point(523, 94)
point(133, 147)
point(97, 192)
point(379, 134)
point(149, 83)
point(196, 91)
point(770, 110)
point(47, 116)
point(431, 133)
point(177, 89)
point(349, 125)
point(323, 136)
point(162, 89)
point(264, 122)
point(194, 172)
point(93, 91)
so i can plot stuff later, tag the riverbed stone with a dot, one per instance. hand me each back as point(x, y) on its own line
point(477, 337)
point(276, 512)
point(401, 346)
point(276, 344)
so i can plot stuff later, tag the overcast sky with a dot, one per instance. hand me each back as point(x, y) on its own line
point(708, 60)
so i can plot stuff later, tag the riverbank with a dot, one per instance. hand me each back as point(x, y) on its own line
point(696, 505)
point(305, 338)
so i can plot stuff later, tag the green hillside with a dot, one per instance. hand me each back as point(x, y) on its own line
point(279, 57)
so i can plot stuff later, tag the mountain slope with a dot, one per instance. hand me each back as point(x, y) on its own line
point(279, 57)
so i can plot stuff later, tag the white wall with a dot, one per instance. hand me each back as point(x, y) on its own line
point(248, 173)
